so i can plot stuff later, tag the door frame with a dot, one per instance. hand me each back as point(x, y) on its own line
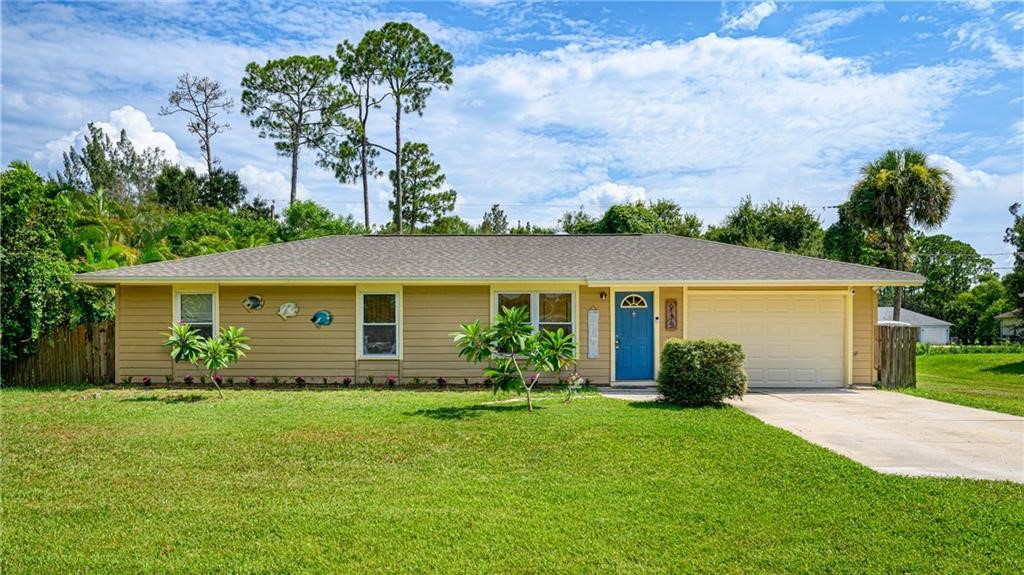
point(655, 348)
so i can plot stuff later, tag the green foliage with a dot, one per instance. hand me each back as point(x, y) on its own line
point(701, 371)
point(178, 188)
point(425, 195)
point(896, 193)
point(1014, 236)
point(450, 224)
point(294, 102)
point(494, 221)
point(410, 67)
point(660, 217)
point(950, 267)
point(119, 170)
point(528, 229)
point(848, 241)
point(775, 225)
point(307, 219)
point(973, 313)
point(183, 341)
point(929, 349)
point(36, 285)
point(214, 353)
point(511, 346)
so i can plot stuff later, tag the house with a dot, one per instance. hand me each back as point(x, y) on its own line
point(1011, 325)
point(390, 303)
point(931, 330)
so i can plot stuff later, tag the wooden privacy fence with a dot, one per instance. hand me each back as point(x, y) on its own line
point(897, 354)
point(73, 355)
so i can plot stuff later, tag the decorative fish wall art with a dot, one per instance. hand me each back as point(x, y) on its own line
point(288, 310)
point(321, 318)
point(253, 303)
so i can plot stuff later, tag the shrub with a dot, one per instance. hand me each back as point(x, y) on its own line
point(346, 381)
point(701, 371)
point(252, 380)
point(929, 349)
point(300, 381)
point(392, 382)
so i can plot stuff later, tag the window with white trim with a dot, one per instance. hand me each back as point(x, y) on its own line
point(379, 325)
point(547, 310)
point(196, 309)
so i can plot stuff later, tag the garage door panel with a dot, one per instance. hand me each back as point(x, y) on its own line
point(789, 341)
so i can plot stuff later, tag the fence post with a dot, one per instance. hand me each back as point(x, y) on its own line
point(897, 354)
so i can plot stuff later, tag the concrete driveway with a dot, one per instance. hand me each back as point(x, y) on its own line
point(896, 433)
point(891, 432)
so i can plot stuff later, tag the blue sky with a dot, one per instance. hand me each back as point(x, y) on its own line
point(559, 105)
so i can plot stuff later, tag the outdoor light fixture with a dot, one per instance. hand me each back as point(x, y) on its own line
point(604, 296)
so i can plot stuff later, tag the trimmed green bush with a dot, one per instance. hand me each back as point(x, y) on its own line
point(931, 349)
point(701, 371)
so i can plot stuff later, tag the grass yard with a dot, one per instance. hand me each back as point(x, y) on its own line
point(364, 481)
point(987, 380)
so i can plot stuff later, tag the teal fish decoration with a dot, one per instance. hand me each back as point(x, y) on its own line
point(321, 318)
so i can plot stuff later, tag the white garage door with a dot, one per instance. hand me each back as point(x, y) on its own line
point(789, 340)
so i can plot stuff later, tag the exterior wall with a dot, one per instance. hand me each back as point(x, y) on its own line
point(668, 293)
point(431, 314)
point(865, 316)
point(1011, 327)
point(286, 349)
point(143, 315)
point(598, 370)
point(936, 335)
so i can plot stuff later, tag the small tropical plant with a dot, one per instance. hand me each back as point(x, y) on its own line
point(188, 379)
point(369, 380)
point(215, 353)
point(346, 381)
point(442, 381)
point(392, 382)
point(147, 381)
point(252, 381)
point(300, 381)
point(511, 346)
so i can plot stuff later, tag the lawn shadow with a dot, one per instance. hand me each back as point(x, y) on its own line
point(178, 398)
point(468, 411)
point(661, 404)
point(1016, 368)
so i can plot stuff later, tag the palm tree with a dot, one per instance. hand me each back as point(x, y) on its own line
point(896, 193)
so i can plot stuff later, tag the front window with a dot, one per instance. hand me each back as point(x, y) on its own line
point(555, 312)
point(196, 309)
point(547, 310)
point(380, 324)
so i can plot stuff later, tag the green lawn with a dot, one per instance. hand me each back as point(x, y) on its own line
point(364, 481)
point(987, 380)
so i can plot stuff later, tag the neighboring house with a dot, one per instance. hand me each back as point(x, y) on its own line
point(393, 302)
point(1011, 325)
point(932, 330)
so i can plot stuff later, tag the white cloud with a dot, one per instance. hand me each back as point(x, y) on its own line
point(270, 185)
point(137, 127)
point(751, 18)
point(818, 23)
point(1015, 19)
point(983, 35)
point(980, 211)
point(703, 122)
point(605, 194)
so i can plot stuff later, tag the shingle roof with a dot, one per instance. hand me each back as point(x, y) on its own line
point(589, 258)
point(912, 317)
point(1012, 314)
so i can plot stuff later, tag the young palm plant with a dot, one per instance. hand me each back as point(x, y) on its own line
point(214, 353)
point(511, 346)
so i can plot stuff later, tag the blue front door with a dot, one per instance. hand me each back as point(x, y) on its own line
point(634, 336)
